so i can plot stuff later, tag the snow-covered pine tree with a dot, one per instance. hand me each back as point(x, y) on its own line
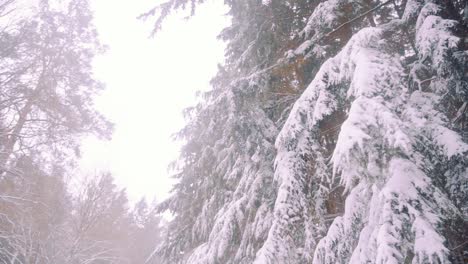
point(399, 155)
point(223, 200)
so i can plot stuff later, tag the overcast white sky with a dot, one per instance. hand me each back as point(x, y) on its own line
point(149, 83)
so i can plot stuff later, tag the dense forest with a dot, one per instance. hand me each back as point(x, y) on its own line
point(49, 213)
point(335, 132)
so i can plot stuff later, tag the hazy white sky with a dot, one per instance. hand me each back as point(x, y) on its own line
point(149, 83)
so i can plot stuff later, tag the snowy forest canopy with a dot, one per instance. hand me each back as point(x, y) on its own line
point(335, 132)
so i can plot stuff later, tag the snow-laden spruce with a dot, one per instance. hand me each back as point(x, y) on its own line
point(223, 191)
point(223, 200)
point(396, 208)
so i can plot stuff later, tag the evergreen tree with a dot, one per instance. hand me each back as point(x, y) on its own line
point(224, 198)
point(393, 150)
point(146, 233)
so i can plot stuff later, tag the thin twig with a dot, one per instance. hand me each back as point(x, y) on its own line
point(428, 80)
point(356, 18)
point(462, 244)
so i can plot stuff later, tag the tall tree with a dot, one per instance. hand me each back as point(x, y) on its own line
point(146, 233)
point(398, 201)
point(224, 198)
point(46, 100)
